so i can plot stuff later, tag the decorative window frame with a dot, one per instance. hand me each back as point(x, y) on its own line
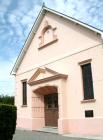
point(42, 44)
point(85, 62)
point(24, 80)
point(81, 64)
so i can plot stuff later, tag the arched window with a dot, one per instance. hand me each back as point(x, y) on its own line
point(47, 35)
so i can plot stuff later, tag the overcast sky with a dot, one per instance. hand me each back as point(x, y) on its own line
point(17, 18)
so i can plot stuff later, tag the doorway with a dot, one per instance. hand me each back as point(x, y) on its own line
point(51, 109)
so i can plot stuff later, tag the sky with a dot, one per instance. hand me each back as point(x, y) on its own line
point(17, 18)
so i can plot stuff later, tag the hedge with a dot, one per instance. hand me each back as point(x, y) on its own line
point(8, 115)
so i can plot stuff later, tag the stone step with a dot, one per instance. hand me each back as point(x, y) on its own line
point(49, 129)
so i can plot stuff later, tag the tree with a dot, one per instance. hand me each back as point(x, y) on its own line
point(7, 99)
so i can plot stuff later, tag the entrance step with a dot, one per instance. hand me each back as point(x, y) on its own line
point(49, 130)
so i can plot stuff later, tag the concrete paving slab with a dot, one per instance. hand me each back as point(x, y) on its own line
point(84, 136)
point(34, 135)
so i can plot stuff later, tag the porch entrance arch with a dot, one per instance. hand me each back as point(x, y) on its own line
point(48, 98)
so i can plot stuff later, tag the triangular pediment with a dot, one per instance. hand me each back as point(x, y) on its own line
point(45, 74)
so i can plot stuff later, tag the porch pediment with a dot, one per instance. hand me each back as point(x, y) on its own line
point(44, 75)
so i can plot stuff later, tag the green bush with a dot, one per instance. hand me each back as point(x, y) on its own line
point(8, 115)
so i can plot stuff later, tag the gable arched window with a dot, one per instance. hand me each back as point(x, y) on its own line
point(47, 35)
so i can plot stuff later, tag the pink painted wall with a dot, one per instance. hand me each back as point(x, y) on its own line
point(75, 44)
point(71, 38)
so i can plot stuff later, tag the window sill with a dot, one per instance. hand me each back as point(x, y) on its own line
point(47, 44)
point(88, 101)
point(24, 106)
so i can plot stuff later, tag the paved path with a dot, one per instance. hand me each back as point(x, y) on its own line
point(33, 135)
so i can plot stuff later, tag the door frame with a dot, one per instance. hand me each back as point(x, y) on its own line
point(51, 109)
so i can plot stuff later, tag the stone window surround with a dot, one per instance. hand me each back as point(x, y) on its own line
point(41, 37)
point(80, 64)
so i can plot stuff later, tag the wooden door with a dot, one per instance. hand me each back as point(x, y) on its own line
point(51, 109)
